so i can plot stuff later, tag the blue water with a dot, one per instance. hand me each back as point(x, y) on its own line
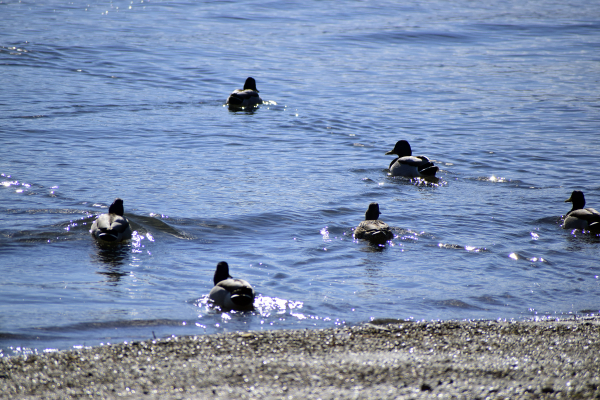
point(126, 99)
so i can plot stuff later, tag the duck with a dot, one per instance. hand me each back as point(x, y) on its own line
point(579, 217)
point(372, 229)
point(408, 165)
point(112, 227)
point(229, 293)
point(246, 97)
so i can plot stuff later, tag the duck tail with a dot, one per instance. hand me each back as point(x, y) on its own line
point(108, 236)
point(379, 236)
point(234, 100)
point(242, 297)
point(429, 170)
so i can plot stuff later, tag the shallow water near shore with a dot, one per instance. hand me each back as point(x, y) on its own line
point(121, 99)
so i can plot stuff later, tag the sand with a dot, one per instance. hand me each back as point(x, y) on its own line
point(379, 360)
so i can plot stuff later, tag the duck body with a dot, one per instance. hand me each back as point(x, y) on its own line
point(580, 217)
point(229, 293)
point(408, 165)
point(412, 167)
point(375, 231)
point(112, 227)
point(246, 97)
point(372, 229)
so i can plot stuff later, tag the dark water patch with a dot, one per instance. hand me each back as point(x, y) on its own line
point(414, 36)
point(593, 312)
point(550, 220)
point(454, 303)
point(540, 30)
point(89, 326)
point(157, 225)
point(30, 116)
point(388, 321)
point(490, 300)
point(6, 336)
point(584, 237)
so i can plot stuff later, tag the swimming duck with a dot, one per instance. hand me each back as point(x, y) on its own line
point(246, 97)
point(579, 217)
point(408, 165)
point(112, 227)
point(230, 293)
point(372, 229)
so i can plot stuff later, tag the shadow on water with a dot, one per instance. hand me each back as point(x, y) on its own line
point(579, 239)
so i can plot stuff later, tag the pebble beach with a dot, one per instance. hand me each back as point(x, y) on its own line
point(383, 359)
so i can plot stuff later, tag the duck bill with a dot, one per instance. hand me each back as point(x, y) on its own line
point(390, 153)
point(569, 200)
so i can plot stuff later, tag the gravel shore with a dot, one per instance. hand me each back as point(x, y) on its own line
point(379, 360)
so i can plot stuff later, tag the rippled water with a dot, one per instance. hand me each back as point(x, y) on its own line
point(125, 99)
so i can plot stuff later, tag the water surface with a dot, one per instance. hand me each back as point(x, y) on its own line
point(126, 99)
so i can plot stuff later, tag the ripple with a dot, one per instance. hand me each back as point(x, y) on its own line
point(472, 249)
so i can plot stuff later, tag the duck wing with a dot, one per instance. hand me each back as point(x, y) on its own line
point(589, 214)
point(583, 218)
point(414, 161)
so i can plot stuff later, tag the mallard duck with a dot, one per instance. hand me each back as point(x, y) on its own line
point(372, 229)
point(408, 165)
point(246, 97)
point(579, 217)
point(112, 227)
point(230, 293)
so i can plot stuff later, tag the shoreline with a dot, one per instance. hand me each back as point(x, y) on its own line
point(378, 360)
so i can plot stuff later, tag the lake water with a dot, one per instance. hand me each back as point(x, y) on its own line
point(126, 99)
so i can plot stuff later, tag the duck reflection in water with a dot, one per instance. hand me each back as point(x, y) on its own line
point(112, 258)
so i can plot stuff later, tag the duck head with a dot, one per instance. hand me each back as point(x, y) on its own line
point(116, 207)
point(222, 272)
point(250, 84)
point(577, 199)
point(401, 149)
point(372, 212)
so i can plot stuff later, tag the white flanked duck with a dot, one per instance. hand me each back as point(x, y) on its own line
point(230, 293)
point(579, 217)
point(112, 227)
point(372, 229)
point(408, 165)
point(246, 97)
